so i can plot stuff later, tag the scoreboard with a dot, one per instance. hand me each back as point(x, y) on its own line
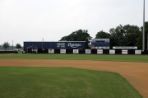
point(100, 44)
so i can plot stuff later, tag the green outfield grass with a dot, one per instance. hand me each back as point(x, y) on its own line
point(63, 83)
point(128, 58)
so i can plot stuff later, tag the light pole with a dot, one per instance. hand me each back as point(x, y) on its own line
point(143, 25)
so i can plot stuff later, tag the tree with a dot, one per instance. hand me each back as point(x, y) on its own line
point(79, 35)
point(18, 46)
point(133, 36)
point(102, 34)
point(117, 36)
point(6, 45)
point(127, 35)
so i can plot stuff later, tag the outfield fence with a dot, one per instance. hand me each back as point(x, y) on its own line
point(88, 51)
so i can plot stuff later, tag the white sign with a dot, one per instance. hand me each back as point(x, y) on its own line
point(138, 52)
point(111, 51)
point(124, 51)
point(87, 51)
point(75, 51)
point(63, 51)
point(99, 51)
point(51, 51)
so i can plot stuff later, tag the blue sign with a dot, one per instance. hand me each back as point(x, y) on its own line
point(56, 45)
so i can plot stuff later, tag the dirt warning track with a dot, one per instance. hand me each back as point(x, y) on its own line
point(135, 73)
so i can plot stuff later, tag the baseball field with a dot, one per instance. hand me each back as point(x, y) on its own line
point(73, 76)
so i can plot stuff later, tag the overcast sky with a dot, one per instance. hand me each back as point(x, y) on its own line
point(33, 20)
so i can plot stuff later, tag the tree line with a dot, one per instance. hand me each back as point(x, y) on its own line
point(122, 35)
point(6, 46)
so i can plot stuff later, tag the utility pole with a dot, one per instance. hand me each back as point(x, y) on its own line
point(143, 25)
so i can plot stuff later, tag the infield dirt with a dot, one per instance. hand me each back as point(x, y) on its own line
point(135, 73)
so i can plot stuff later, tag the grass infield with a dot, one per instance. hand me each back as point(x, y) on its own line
point(126, 58)
point(62, 83)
